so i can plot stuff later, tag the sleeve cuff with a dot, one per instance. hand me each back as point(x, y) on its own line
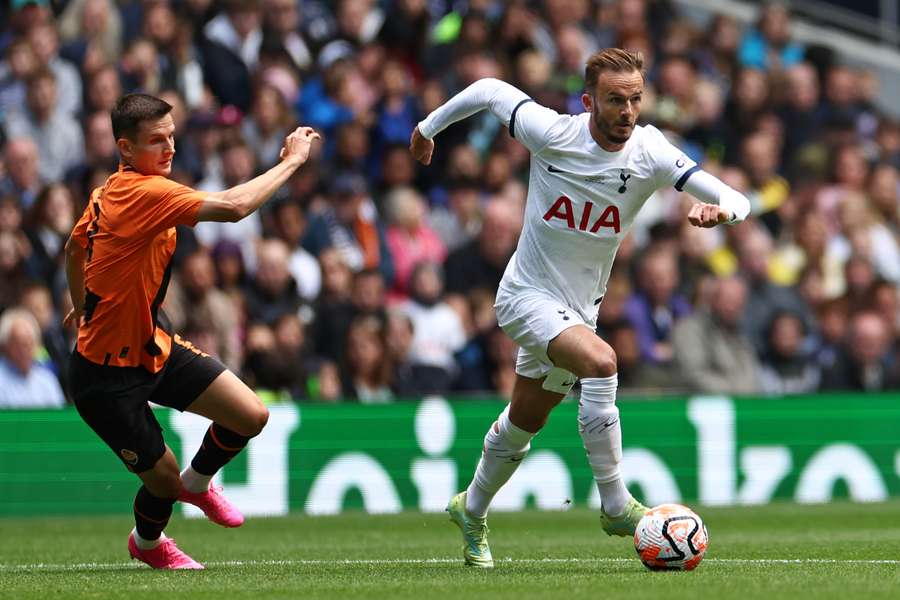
point(737, 204)
point(425, 129)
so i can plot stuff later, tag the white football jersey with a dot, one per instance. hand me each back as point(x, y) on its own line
point(582, 201)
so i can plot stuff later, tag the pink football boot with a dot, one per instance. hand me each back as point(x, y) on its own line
point(165, 556)
point(214, 505)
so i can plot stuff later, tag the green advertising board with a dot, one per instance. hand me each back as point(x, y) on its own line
point(414, 455)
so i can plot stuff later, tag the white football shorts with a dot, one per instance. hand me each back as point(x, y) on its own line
point(533, 318)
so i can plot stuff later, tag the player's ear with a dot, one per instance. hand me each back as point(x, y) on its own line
point(588, 102)
point(124, 146)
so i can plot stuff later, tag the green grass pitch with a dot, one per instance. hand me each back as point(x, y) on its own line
point(839, 550)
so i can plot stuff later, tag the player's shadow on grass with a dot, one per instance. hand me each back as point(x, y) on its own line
point(562, 569)
point(124, 568)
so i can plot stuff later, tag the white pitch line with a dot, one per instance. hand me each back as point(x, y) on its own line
point(434, 561)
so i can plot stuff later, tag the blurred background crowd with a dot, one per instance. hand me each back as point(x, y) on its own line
point(368, 277)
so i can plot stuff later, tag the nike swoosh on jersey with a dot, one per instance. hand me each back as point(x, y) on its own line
point(589, 178)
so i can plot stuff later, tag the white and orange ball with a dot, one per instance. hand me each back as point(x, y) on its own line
point(671, 537)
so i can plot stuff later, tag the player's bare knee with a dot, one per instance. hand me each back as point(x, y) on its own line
point(262, 419)
point(256, 421)
point(601, 362)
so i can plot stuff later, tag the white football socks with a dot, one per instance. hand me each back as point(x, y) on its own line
point(147, 544)
point(195, 482)
point(505, 445)
point(601, 433)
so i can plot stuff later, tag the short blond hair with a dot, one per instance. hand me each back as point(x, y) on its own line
point(616, 60)
point(18, 315)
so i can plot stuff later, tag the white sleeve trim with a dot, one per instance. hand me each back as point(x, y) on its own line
point(497, 96)
point(709, 189)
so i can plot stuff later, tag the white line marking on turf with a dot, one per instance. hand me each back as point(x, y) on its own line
point(433, 561)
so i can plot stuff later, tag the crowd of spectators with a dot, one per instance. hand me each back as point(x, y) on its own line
point(369, 277)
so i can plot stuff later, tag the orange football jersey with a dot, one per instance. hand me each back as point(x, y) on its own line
point(128, 232)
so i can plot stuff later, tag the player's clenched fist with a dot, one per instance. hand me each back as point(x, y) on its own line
point(708, 215)
point(296, 145)
point(421, 147)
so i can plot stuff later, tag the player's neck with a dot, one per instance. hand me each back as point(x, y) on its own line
point(602, 140)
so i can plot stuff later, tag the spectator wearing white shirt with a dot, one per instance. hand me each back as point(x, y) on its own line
point(24, 383)
point(438, 331)
point(239, 28)
point(290, 225)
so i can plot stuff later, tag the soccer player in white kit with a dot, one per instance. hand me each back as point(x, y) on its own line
point(590, 175)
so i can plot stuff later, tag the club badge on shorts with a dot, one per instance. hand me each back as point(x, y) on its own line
point(129, 456)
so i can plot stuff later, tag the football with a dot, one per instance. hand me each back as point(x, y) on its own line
point(671, 537)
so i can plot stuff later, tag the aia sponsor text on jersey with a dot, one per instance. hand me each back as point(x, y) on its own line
point(588, 220)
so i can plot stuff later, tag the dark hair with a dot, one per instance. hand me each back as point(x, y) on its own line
point(35, 216)
point(368, 272)
point(41, 75)
point(18, 42)
point(785, 313)
point(462, 182)
point(373, 326)
point(616, 60)
point(133, 109)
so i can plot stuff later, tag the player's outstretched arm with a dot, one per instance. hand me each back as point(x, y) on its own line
point(499, 97)
point(236, 203)
point(719, 203)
